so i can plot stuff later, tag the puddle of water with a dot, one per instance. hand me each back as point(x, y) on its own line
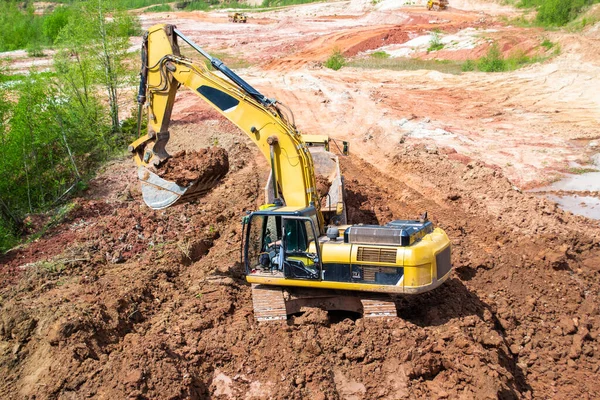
point(578, 183)
point(585, 206)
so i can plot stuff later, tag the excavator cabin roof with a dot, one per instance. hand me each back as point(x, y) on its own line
point(287, 210)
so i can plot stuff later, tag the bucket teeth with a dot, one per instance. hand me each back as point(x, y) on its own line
point(159, 193)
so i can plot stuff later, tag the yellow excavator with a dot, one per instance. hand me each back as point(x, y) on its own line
point(238, 17)
point(437, 5)
point(298, 250)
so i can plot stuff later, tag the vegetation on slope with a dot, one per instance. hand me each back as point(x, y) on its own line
point(56, 127)
point(556, 12)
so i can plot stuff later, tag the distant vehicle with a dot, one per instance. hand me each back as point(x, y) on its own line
point(437, 5)
point(238, 17)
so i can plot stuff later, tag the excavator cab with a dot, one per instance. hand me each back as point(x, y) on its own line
point(282, 242)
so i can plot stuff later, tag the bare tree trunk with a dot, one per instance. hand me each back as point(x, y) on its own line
point(64, 138)
point(108, 72)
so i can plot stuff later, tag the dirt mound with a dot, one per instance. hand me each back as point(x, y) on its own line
point(185, 167)
point(527, 266)
point(393, 36)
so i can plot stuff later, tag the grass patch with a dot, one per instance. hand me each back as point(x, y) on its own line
point(435, 43)
point(547, 44)
point(10, 78)
point(335, 61)
point(581, 170)
point(408, 64)
point(159, 8)
point(587, 18)
point(380, 55)
point(494, 61)
point(469, 65)
point(556, 12)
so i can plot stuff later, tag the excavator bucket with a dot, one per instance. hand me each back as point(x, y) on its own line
point(159, 193)
point(184, 176)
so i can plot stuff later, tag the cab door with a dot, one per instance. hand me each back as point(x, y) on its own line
point(301, 253)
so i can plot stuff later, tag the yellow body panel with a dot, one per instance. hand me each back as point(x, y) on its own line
point(363, 287)
point(418, 262)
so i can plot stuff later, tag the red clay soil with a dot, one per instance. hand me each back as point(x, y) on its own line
point(185, 167)
point(136, 303)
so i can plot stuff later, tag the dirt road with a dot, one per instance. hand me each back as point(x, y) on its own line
point(119, 301)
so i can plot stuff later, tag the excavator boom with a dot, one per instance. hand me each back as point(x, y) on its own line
point(261, 118)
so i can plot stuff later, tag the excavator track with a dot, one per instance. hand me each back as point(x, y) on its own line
point(378, 306)
point(269, 303)
point(274, 303)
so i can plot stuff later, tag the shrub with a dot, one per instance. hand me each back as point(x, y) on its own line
point(435, 43)
point(380, 55)
point(55, 21)
point(555, 12)
point(34, 49)
point(8, 237)
point(547, 44)
point(335, 61)
point(493, 61)
point(468, 65)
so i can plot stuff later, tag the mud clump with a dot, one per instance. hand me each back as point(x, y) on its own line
point(323, 186)
point(185, 167)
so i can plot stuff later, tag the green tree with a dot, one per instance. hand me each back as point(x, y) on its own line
point(19, 27)
point(55, 21)
point(103, 43)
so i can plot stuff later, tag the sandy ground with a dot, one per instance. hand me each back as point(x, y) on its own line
point(120, 301)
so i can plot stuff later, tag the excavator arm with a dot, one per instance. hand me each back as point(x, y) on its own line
point(262, 119)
